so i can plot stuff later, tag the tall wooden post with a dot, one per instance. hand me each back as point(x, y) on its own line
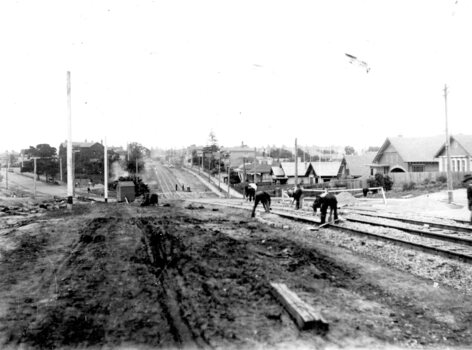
point(105, 164)
point(219, 171)
point(244, 169)
point(448, 155)
point(70, 179)
point(229, 172)
point(254, 165)
point(6, 171)
point(60, 168)
point(296, 163)
point(34, 178)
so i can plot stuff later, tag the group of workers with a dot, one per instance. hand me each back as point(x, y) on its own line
point(324, 201)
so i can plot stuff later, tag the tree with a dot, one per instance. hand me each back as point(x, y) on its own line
point(210, 161)
point(373, 149)
point(46, 160)
point(137, 153)
point(349, 150)
point(278, 153)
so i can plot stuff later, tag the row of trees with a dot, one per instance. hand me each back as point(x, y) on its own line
point(87, 162)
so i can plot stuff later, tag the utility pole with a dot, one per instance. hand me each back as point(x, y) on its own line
point(219, 172)
point(254, 165)
point(34, 178)
point(209, 168)
point(448, 154)
point(105, 164)
point(70, 180)
point(229, 171)
point(244, 169)
point(296, 163)
point(60, 168)
point(6, 170)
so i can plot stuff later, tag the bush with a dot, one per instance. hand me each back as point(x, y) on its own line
point(380, 180)
point(442, 179)
point(409, 186)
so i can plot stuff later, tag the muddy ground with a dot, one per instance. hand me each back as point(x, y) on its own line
point(197, 276)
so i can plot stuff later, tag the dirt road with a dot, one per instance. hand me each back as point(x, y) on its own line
point(197, 276)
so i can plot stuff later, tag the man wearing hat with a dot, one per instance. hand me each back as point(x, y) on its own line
point(468, 179)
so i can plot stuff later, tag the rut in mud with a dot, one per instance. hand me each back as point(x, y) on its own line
point(177, 277)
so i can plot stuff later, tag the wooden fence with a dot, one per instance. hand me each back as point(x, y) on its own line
point(425, 177)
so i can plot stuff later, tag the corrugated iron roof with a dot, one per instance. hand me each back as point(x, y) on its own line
point(278, 171)
point(289, 168)
point(463, 140)
point(413, 149)
point(358, 165)
point(327, 168)
point(125, 183)
point(81, 144)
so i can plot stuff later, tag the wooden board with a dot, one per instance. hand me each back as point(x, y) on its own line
point(304, 315)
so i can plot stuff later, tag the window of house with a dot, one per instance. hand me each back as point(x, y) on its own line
point(463, 164)
point(453, 162)
point(418, 168)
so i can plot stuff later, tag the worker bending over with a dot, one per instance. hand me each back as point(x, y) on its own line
point(325, 201)
point(264, 198)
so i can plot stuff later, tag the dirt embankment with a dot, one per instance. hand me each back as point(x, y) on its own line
point(196, 277)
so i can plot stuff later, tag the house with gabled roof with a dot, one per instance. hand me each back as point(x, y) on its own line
point(407, 154)
point(327, 171)
point(238, 155)
point(278, 174)
point(460, 150)
point(257, 174)
point(358, 165)
point(305, 172)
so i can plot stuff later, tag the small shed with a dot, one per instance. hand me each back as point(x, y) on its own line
point(125, 189)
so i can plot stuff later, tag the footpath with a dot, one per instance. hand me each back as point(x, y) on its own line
point(221, 189)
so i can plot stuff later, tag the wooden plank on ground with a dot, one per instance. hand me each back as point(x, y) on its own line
point(304, 315)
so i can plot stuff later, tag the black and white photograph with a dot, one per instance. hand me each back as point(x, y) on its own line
point(235, 175)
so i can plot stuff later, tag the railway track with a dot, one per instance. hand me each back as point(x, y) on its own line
point(447, 242)
point(167, 186)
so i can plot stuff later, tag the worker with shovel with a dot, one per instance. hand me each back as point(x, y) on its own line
point(325, 201)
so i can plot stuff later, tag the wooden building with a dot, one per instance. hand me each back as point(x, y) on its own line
point(125, 189)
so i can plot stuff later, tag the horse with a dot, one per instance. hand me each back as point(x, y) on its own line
point(323, 202)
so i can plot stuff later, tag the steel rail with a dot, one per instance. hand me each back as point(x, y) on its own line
point(429, 234)
point(420, 222)
point(467, 258)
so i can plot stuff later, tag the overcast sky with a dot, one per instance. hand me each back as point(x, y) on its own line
point(166, 73)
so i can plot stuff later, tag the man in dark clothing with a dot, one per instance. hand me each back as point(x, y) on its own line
point(468, 179)
point(297, 195)
point(249, 192)
point(264, 198)
point(324, 201)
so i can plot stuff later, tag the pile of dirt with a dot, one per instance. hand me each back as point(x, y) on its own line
point(26, 206)
point(345, 199)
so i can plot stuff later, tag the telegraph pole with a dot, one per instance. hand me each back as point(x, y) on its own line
point(229, 171)
point(6, 170)
point(219, 171)
point(34, 177)
point(448, 154)
point(105, 164)
point(70, 180)
point(60, 168)
point(254, 166)
point(296, 163)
